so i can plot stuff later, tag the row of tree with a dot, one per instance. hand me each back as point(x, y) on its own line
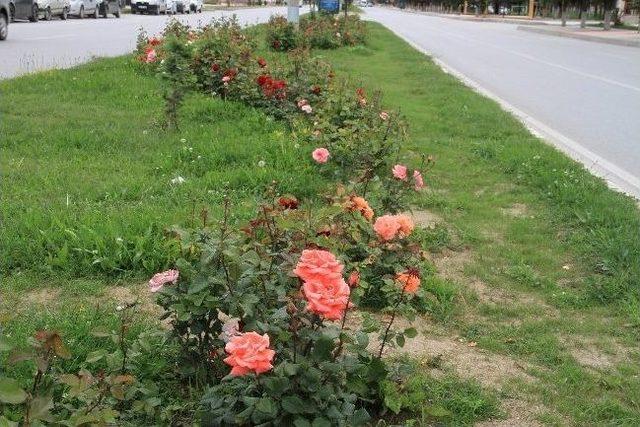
point(605, 10)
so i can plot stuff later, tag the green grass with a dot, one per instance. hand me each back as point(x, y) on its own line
point(88, 172)
point(557, 249)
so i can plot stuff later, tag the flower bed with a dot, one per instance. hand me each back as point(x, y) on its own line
point(261, 318)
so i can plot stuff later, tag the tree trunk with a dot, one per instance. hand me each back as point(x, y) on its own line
point(607, 20)
point(563, 14)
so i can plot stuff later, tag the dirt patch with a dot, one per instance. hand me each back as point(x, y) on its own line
point(134, 293)
point(450, 264)
point(45, 297)
point(519, 413)
point(517, 210)
point(425, 219)
point(460, 356)
point(596, 355)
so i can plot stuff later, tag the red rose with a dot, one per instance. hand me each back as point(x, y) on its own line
point(262, 63)
point(215, 67)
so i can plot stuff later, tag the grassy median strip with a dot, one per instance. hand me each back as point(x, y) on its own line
point(543, 258)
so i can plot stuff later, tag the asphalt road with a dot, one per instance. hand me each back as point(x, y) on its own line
point(583, 97)
point(58, 44)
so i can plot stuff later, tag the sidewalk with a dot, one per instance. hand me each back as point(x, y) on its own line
point(613, 36)
point(520, 20)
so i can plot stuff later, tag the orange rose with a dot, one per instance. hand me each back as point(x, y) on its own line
point(409, 281)
point(386, 227)
point(249, 352)
point(327, 298)
point(406, 224)
point(358, 203)
point(315, 264)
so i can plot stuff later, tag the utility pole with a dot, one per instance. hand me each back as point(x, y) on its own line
point(293, 12)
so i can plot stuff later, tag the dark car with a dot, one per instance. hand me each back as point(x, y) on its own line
point(25, 9)
point(4, 19)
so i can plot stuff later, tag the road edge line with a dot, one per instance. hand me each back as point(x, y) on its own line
point(617, 178)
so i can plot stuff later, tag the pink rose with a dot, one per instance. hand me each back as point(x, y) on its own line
point(320, 155)
point(226, 79)
point(400, 172)
point(249, 352)
point(316, 264)
point(307, 108)
point(327, 298)
point(302, 103)
point(354, 278)
point(386, 227)
point(151, 56)
point(160, 279)
point(419, 182)
point(384, 115)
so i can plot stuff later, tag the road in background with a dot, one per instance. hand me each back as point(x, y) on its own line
point(582, 96)
point(60, 44)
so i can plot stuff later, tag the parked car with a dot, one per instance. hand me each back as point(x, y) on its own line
point(195, 6)
point(172, 7)
point(149, 6)
point(50, 8)
point(109, 6)
point(25, 9)
point(182, 6)
point(83, 8)
point(5, 17)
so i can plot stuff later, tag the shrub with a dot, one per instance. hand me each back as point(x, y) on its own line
point(281, 34)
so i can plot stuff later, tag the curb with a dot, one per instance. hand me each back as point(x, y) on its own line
point(617, 178)
point(587, 37)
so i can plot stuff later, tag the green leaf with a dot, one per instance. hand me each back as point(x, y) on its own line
point(10, 392)
point(321, 422)
point(39, 407)
point(267, 406)
point(323, 348)
point(95, 356)
point(400, 340)
point(301, 422)
point(411, 332)
point(293, 405)
point(360, 417)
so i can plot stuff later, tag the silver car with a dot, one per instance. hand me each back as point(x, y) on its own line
point(83, 8)
point(51, 8)
point(155, 7)
point(4, 19)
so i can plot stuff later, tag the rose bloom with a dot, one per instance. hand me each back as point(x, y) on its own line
point(307, 109)
point(317, 264)
point(327, 297)
point(384, 115)
point(226, 79)
point(160, 279)
point(215, 67)
point(288, 202)
point(249, 352)
point(151, 56)
point(262, 63)
point(320, 155)
point(302, 103)
point(358, 203)
point(405, 223)
point(154, 41)
point(354, 278)
point(409, 281)
point(419, 182)
point(400, 172)
point(386, 227)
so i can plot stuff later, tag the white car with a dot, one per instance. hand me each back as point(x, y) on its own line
point(195, 6)
point(83, 8)
point(50, 8)
point(172, 7)
point(155, 7)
